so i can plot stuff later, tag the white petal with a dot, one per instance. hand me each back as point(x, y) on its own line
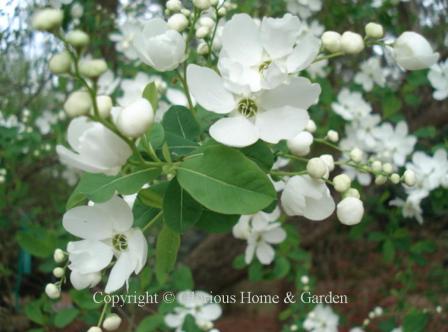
point(120, 273)
point(207, 88)
point(81, 281)
point(298, 93)
point(234, 131)
point(250, 251)
point(175, 320)
point(275, 236)
point(117, 212)
point(88, 222)
point(304, 53)
point(88, 256)
point(209, 312)
point(75, 129)
point(265, 253)
point(241, 230)
point(241, 40)
point(138, 248)
point(282, 123)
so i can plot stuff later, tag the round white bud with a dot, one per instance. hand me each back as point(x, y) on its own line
point(58, 272)
point(52, 291)
point(304, 279)
point(202, 4)
point(174, 5)
point(135, 119)
point(207, 22)
point(58, 255)
point(293, 327)
point(377, 166)
point(78, 103)
point(352, 192)
point(77, 10)
point(378, 311)
point(439, 309)
point(47, 19)
point(351, 42)
point(202, 49)
point(94, 329)
point(388, 168)
point(380, 179)
point(372, 315)
point(333, 136)
point(311, 126)
point(374, 30)
point(328, 160)
point(350, 211)
point(395, 178)
point(202, 32)
point(186, 12)
point(316, 168)
point(60, 63)
point(92, 68)
point(300, 145)
point(222, 11)
point(409, 178)
point(178, 22)
point(112, 322)
point(77, 38)
point(104, 104)
point(356, 155)
point(331, 41)
point(342, 182)
point(214, 2)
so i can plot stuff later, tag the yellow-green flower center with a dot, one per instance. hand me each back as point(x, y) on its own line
point(247, 107)
point(120, 242)
point(264, 66)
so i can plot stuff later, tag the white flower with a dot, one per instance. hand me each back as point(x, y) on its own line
point(304, 8)
point(304, 196)
point(371, 73)
point(133, 88)
point(45, 121)
point(106, 230)
point(197, 304)
point(411, 206)
point(350, 211)
point(124, 38)
point(96, 148)
point(270, 115)
point(413, 52)
point(351, 105)
point(261, 231)
point(438, 77)
point(318, 69)
point(107, 83)
point(321, 319)
point(158, 46)
point(431, 172)
point(394, 145)
point(136, 118)
point(261, 56)
point(83, 280)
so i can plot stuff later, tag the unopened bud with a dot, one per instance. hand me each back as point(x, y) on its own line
point(52, 291)
point(316, 168)
point(352, 43)
point(374, 30)
point(60, 63)
point(77, 38)
point(331, 41)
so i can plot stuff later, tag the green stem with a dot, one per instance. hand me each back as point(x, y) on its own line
point(328, 56)
point(284, 173)
point(183, 80)
point(325, 142)
point(103, 313)
point(152, 221)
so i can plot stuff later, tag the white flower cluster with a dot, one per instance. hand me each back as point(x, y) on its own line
point(371, 73)
point(438, 77)
point(321, 319)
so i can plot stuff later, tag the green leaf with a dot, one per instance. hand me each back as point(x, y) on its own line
point(168, 243)
point(150, 323)
point(181, 130)
point(142, 213)
point(100, 188)
point(190, 324)
point(183, 279)
point(65, 317)
point(156, 135)
point(180, 210)
point(261, 154)
point(84, 299)
point(388, 251)
point(37, 241)
point(153, 196)
point(213, 222)
point(33, 311)
point(225, 181)
point(150, 93)
point(415, 322)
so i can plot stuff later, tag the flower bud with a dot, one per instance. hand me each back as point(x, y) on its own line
point(300, 145)
point(111, 322)
point(135, 119)
point(207, 22)
point(60, 63)
point(395, 178)
point(331, 41)
point(58, 272)
point(352, 192)
point(202, 4)
point(413, 52)
point(352, 43)
point(378, 311)
point(52, 291)
point(58, 256)
point(77, 38)
point(374, 30)
point(356, 155)
point(77, 10)
point(178, 22)
point(328, 160)
point(377, 166)
point(316, 168)
point(222, 12)
point(380, 179)
point(409, 178)
point(342, 182)
point(185, 11)
point(92, 68)
point(304, 279)
point(333, 136)
point(350, 211)
point(174, 5)
point(388, 168)
point(78, 103)
point(214, 2)
point(311, 126)
point(202, 49)
point(202, 32)
point(94, 329)
point(47, 19)
point(104, 104)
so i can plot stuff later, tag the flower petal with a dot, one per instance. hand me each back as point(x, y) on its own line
point(282, 123)
point(234, 131)
point(209, 312)
point(138, 248)
point(120, 273)
point(274, 236)
point(250, 251)
point(304, 53)
point(265, 253)
point(117, 212)
point(88, 222)
point(207, 88)
point(89, 256)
